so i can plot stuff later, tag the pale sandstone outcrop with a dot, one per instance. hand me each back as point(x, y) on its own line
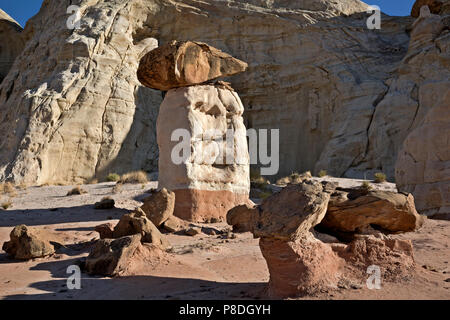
point(11, 43)
point(212, 174)
point(423, 162)
point(93, 114)
point(179, 64)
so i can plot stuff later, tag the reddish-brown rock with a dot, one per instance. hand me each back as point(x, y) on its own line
point(159, 206)
point(137, 223)
point(434, 5)
point(184, 63)
point(205, 205)
point(111, 257)
point(27, 243)
point(105, 230)
point(299, 267)
point(350, 210)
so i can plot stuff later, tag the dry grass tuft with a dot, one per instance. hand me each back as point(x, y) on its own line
point(112, 177)
point(117, 188)
point(294, 178)
point(76, 191)
point(6, 205)
point(134, 177)
point(366, 186)
point(380, 177)
point(322, 173)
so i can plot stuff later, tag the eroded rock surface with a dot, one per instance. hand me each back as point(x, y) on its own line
point(299, 262)
point(112, 257)
point(138, 223)
point(203, 151)
point(159, 206)
point(27, 243)
point(352, 210)
point(11, 43)
point(180, 64)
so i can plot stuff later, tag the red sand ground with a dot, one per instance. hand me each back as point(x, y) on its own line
point(200, 267)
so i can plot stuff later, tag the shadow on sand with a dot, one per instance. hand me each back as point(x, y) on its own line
point(35, 217)
point(134, 287)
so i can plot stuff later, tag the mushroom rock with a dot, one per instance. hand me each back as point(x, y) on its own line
point(299, 262)
point(203, 155)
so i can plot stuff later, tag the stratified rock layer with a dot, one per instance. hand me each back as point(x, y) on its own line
point(11, 43)
point(423, 162)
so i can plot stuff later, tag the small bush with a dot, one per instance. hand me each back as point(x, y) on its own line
point(322, 173)
point(76, 191)
point(93, 181)
point(380, 177)
point(6, 205)
point(366, 186)
point(113, 177)
point(117, 188)
point(283, 181)
point(134, 177)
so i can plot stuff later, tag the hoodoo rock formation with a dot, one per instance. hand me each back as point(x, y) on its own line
point(203, 154)
point(72, 108)
point(299, 263)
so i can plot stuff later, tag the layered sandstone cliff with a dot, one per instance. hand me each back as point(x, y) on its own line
point(11, 43)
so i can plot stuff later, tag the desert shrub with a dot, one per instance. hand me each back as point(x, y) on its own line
point(76, 191)
point(380, 177)
point(6, 205)
point(134, 177)
point(117, 188)
point(322, 173)
point(283, 181)
point(366, 186)
point(113, 177)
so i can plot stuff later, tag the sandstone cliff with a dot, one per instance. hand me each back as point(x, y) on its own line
point(11, 43)
point(344, 97)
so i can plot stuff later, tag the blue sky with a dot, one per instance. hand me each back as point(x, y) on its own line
point(22, 10)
